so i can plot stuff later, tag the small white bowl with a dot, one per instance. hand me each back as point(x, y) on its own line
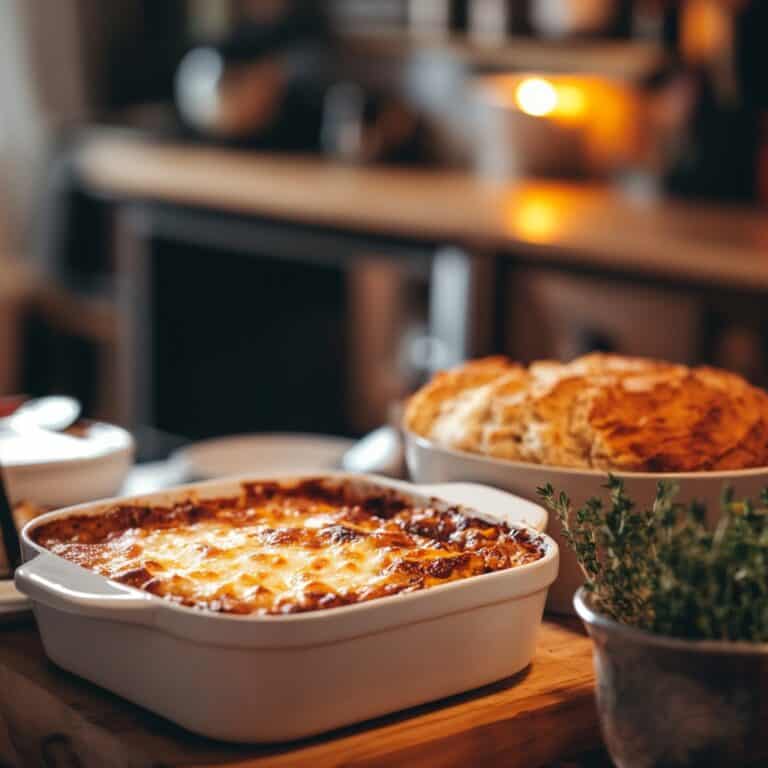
point(78, 478)
point(429, 463)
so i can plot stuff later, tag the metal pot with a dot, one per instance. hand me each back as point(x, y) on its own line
point(559, 19)
point(669, 702)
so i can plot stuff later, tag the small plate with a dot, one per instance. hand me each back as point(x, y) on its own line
point(265, 453)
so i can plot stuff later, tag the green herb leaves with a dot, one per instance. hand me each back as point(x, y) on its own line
point(663, 570)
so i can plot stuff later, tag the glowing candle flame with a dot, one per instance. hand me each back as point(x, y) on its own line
point(536, 96)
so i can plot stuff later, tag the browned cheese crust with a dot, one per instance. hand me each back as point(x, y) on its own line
point(277, 549)
point(599, 411)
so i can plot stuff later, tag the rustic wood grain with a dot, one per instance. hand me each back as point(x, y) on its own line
point(544, 713)
point(586, 225)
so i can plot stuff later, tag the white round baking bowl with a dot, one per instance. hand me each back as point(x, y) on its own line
point(76, 479)
point(430, 463)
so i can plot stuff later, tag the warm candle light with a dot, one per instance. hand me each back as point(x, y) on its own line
point(565, 123)
point(539, 97)
point(535, 214)
point(536, 96)
point(571, 101)
point(537, 220)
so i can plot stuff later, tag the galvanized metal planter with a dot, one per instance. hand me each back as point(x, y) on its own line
point(669, 703)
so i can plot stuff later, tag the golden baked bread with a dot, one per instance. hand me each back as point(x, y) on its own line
point(598, 411)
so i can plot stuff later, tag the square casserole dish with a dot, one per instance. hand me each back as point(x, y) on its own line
point(268, 678)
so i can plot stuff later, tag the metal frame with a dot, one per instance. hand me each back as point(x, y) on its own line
point(462, 306)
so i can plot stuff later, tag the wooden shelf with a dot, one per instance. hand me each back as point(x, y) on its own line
point(89, 316)
point(578, 225)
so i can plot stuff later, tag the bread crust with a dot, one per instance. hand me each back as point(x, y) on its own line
point(598, 411)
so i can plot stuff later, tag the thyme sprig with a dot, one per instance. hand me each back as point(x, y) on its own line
point(663, 569)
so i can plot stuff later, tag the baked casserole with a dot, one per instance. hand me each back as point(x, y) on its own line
point(599, 411)
point(279, 548)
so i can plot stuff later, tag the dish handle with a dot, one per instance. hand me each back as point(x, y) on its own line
point(64, 586)
point(499, 504)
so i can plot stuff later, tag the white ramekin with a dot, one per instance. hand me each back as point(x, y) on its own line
point(78, 478)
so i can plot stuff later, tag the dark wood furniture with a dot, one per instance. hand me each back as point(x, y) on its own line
point(470, 239)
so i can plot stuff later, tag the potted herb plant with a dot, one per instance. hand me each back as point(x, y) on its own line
point(678, 614)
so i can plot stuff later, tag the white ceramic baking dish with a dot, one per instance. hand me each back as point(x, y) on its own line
point(430, 463)
point(277, 678)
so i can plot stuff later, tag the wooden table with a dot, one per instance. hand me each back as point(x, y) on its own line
point(51, 718)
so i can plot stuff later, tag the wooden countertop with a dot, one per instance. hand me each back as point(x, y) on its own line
point(583, 225)
point(543, 714)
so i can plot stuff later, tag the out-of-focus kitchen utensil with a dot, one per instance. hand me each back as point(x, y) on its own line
point(260, 83)
point(228, 101)
point(572, 18)
point(380, 452)
point(344, 121)
point(54, 412)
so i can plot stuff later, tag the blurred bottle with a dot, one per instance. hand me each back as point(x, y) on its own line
point(722, 55)
point(372, 125)
point(558, 19)
point(343, 128)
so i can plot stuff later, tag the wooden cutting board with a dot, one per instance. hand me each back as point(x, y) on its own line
point(50, 718)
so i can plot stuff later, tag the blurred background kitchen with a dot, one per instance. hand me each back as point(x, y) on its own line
point(229, 216)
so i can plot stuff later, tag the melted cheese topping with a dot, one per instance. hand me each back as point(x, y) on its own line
point(286, 550)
